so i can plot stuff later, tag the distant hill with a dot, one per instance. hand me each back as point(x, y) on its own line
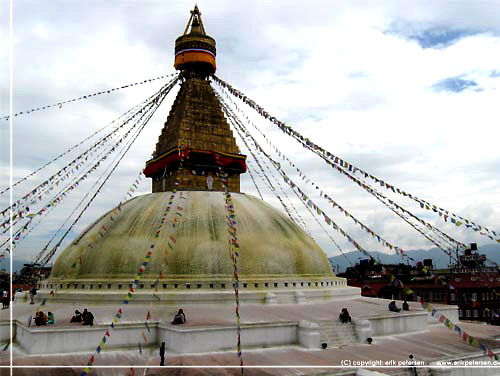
point(439, 258)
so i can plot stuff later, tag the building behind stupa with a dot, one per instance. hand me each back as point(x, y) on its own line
point(277, 261)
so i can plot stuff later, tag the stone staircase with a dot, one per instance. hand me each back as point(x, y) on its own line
point(336, 334)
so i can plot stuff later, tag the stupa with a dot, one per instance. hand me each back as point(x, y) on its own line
point(278, 261)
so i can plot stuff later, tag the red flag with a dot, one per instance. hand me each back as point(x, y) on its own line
point(173, 239)
point(120, 310)
point(161, 275)
point(92, 359)
point(148, 316)
point(80, 259)
point(107, 333)
point(52, 293)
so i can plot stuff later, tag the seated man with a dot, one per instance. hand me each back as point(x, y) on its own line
point(344, 316)
point(406, 307)
point(88, 318)
point(180, 318)
point(40, 319)
point(392, 307)
point(51, 318)
point(77, 317)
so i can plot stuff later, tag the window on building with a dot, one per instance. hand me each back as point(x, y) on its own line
point(453, 297)
point(458, 279)
point(467, 313)
point(476, 313)
point(482, 296)
point(460, 313)
point(474, 296)
point(487, 296)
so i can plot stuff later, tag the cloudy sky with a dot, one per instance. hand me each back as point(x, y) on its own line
point(408, 91)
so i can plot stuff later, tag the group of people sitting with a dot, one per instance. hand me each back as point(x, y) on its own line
point(394, 308)
point(44, 319)
point(344, 316)
point(86, 317)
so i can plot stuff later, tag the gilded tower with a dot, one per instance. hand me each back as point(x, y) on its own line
point(196, 132)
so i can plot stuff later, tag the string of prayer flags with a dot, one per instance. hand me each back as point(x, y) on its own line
point(457, 220)
point(234, 120)
point(245, 131)
point(370, 190)
point(308, 202)
point(117, 210)
point(20, 205)
point(137, 279)
point(78, 161)
point(162, 93)
point(63, 193)
point(392, 278)
point(234, 253)
point(87, 96)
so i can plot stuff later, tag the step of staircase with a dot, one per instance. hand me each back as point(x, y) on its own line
point(336, 334)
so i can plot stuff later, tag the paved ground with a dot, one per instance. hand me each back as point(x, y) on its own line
point(430, 345)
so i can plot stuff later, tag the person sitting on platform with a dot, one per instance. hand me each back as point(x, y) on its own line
point(392, 307)
point(344, 316)
point(51, 318)
point(406, 307)
point(88, 317)
point(77, 317)
point(40, 319)
point(180, 318)
point(5, 299)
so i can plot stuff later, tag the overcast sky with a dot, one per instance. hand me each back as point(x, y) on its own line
point(408, 91)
